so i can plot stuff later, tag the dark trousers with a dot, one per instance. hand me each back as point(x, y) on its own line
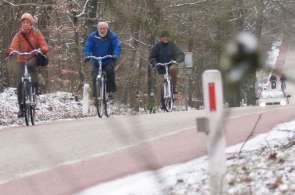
point(110, 74)
point(34, 76)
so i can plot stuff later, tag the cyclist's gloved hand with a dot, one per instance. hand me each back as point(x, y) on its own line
point(174, 61)
point(8, 52)
point(11, 53)
point(115, 57)
point(154, 66)
point(86, 59)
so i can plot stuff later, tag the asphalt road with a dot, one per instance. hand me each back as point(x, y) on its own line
point(71, 155)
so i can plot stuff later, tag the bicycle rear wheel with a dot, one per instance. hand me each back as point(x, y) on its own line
point(99, 100)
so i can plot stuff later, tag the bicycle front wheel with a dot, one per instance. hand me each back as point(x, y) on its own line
point(167, 97)
point(33, 105)
point(107, 107)
point(99, 100)
point(25, 101)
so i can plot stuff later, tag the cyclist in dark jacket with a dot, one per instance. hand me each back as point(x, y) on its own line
point(164, 51)
point(100, 43)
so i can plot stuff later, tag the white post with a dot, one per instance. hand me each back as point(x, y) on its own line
point(85, 100)
point(213, 102)
point(188, 60)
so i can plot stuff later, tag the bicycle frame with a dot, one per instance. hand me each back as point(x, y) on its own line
point(99, 59)
point(167, 94)
point(167, 89)
point(100, 72)
point(27, 77)
point(28, 93)
point(100, 82)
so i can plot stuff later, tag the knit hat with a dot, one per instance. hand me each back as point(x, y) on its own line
point(165, 33)
point(28, 17)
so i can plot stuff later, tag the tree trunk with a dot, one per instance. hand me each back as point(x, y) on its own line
point(91, 16)
point(43, 24)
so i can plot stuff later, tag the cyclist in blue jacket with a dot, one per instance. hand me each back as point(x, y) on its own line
point(100, 43)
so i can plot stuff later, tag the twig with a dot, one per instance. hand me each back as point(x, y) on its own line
point(4, 60)
point(251, 133)
point(84, 8)
point(26, 4)
point(187, 4)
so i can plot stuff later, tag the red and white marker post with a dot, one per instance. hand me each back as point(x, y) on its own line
point(214, 108)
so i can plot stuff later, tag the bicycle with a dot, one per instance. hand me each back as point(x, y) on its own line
point(102, 102)
point(167, 96)
point(28, 91)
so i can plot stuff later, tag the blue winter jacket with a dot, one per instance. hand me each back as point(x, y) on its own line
point(98, 46)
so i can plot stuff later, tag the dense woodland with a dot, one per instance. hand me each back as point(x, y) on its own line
point(199, 26)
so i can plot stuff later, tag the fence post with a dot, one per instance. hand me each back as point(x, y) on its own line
point(213, 102)
point(85, 100)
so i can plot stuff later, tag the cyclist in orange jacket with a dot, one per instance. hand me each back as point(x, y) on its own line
point(21, 43)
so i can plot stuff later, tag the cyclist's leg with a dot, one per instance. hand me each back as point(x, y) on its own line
point(173, 73)
point(32, 67)
point(20, 71)
point(94, 75)
point(110, 71)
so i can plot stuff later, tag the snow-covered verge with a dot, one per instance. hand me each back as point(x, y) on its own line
point(59, 105)
point(264, 166)
point(50, 107)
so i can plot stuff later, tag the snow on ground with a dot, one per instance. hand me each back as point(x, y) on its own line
point(266, 165)
point(54, 106)
point(59, 105)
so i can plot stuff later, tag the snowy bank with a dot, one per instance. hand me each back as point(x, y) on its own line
point(264, 166)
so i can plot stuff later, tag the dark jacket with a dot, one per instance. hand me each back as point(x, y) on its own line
point(98, 46)
point(165, 52)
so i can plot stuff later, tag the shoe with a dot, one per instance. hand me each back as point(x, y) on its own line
point(175, 91)
point(162, 107)
point(20, 114)
point(38, 92)
point(111, 96)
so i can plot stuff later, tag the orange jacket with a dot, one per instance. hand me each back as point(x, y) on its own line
point(20, 44)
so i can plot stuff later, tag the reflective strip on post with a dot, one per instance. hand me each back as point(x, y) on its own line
point(212, 98)
point(212, 91)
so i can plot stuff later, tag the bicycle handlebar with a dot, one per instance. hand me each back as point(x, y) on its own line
point(99, 57)
point(25, 53)
point(165, 64)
